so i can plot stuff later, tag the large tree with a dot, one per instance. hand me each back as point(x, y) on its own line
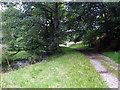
point(34, 27)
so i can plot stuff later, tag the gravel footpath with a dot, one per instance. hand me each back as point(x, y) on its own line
point(106, 75)
point(109, 77)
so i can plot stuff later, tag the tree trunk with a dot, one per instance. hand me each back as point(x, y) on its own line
point(56, 21)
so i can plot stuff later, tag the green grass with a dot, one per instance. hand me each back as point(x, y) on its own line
point(70, 69)
point(84, 46)
point(108, 64)
point(110, 69)
point(113, 55)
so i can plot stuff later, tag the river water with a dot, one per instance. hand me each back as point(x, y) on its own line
point(15, 65)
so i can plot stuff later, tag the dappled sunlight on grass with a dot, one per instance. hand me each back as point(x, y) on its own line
point(80, 45)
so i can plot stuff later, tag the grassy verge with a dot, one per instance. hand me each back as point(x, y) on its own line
point(113, 55)
point(110, 66)
point(84, 46)
point(71, 69)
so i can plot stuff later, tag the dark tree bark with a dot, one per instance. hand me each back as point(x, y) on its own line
point(56, 21)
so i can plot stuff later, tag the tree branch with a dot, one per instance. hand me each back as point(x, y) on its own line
point(14, 53)
point(47, 7)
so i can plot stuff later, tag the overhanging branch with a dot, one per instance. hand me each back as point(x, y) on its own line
point(15, 53)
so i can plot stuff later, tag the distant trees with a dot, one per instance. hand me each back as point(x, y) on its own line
point(97, 24)
point(39, 26)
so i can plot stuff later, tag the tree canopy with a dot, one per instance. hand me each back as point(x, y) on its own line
point(42, 26)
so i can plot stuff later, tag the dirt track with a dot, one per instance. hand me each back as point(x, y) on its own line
point(108, 76)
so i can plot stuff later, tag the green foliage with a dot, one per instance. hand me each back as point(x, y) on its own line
point(96, 22)
point(9, 13)
point(38, 27)
point(35, 27)
point(19, 56)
